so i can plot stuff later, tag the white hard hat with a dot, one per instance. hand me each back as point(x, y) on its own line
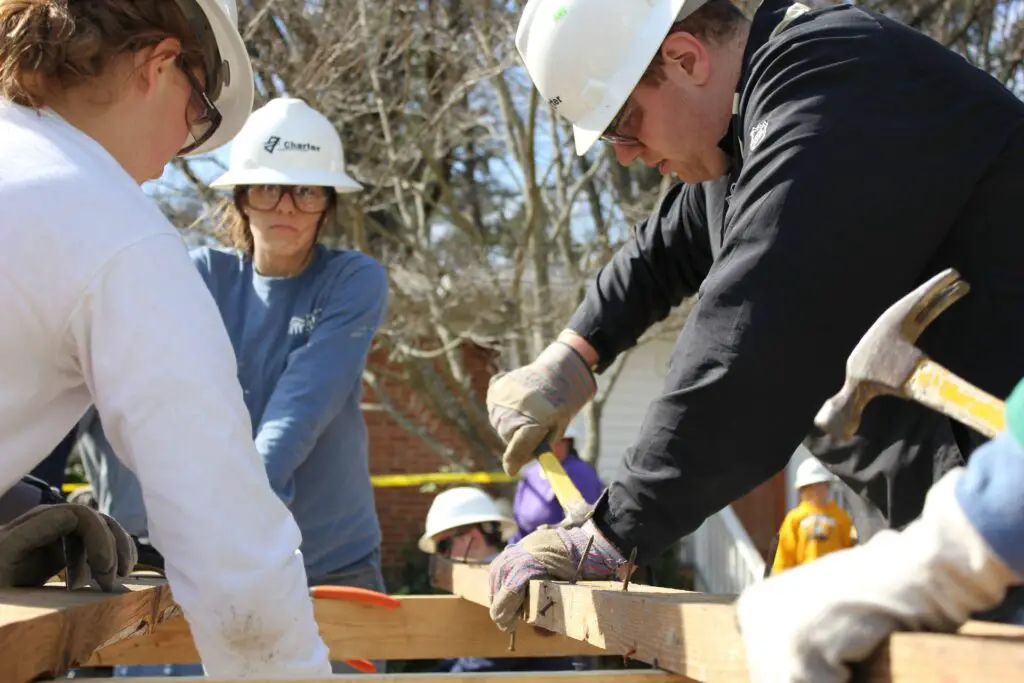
point(235, 95)
point(811, 471)
point(586, 56)
point(287, 142)
point(462, 506)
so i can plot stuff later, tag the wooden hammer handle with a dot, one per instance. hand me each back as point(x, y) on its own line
point(941, 390)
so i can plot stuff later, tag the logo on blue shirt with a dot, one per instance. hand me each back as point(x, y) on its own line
point(304, 324)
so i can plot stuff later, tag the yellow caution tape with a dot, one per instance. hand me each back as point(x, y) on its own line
point(405, 480)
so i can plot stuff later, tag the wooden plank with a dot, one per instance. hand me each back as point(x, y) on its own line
point(46, 631)
point(618, 676)
point(695, 635)
point(424, 627)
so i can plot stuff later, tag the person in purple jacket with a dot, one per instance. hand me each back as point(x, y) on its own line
point(535, 503)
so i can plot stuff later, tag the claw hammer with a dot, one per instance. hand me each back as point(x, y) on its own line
point(886, 362)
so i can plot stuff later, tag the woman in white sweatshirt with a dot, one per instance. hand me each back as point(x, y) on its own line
point(101, 304)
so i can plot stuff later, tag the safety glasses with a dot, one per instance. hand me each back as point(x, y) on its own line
point(201, 115)
point(305, 198)
point(626, 121)
point(444, 546)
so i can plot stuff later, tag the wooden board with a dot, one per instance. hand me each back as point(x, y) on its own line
point(623, 676)
point(695, 634)
point(46, 631)
point(424, 627)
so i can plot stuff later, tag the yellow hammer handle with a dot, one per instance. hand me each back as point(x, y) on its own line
point(941, 390)
point(561, 484)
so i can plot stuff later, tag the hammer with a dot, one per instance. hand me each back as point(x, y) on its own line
point(886, 362)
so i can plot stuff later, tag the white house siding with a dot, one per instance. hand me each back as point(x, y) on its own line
point(639, 382)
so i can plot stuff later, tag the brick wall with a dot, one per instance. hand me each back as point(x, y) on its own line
point(394, 450)
point(762, 511)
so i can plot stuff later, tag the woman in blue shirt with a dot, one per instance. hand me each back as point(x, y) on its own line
point(301, 317)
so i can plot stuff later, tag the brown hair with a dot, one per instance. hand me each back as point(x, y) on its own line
point(67, 43)
point(715, 22)
point(233, 225)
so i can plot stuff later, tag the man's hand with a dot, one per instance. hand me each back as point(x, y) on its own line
point(808, 623)
point(537, 402)
point(546, 553)
point(31, 551)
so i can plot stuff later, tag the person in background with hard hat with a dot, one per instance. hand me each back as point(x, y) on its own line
point(465, 524)
point(101, 305)
point(300, 317)
point(958, 558)
point(815, 527)
point(831, 159)
point(535, 503)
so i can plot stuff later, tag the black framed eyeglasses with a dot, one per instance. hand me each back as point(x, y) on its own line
point(305, 198)
point(444, 546)
point(624, 117)
point(201, 115)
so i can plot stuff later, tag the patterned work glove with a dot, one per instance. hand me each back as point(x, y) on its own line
point(537, 402)
point(32, 552)
point(546, 553)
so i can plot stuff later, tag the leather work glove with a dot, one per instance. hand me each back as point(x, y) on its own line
point(546, 553)
point(807, 623)
point(32, 552)
point(537, 402)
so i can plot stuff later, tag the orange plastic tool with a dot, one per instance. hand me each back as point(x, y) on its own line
point(360, 595)
point(364, 665)
point(354, 594)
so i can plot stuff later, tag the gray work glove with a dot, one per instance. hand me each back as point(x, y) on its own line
point(32, 552)
point(536, 403)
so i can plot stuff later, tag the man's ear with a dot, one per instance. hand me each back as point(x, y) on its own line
point(685, 59)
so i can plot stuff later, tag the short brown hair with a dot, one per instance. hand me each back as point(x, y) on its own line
point(66, 43)
point(715, 22)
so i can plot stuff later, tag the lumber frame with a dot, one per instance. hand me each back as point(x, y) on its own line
point(695, 634)
point(46, 631)
point(627, 676)
point(424, 627)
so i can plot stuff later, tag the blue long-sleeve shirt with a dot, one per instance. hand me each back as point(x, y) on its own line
point(301, 344)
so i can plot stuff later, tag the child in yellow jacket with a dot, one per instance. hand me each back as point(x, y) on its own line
point(817, 526)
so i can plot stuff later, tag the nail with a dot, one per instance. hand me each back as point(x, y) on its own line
point(512, 642)
point(546, 607)
point(630, 566)
point(579, 567)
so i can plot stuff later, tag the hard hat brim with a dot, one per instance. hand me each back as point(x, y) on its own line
point(810, 481)
point(236, 97)
point(341, 182)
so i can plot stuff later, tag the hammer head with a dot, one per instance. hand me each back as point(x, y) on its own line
point(885, 358)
